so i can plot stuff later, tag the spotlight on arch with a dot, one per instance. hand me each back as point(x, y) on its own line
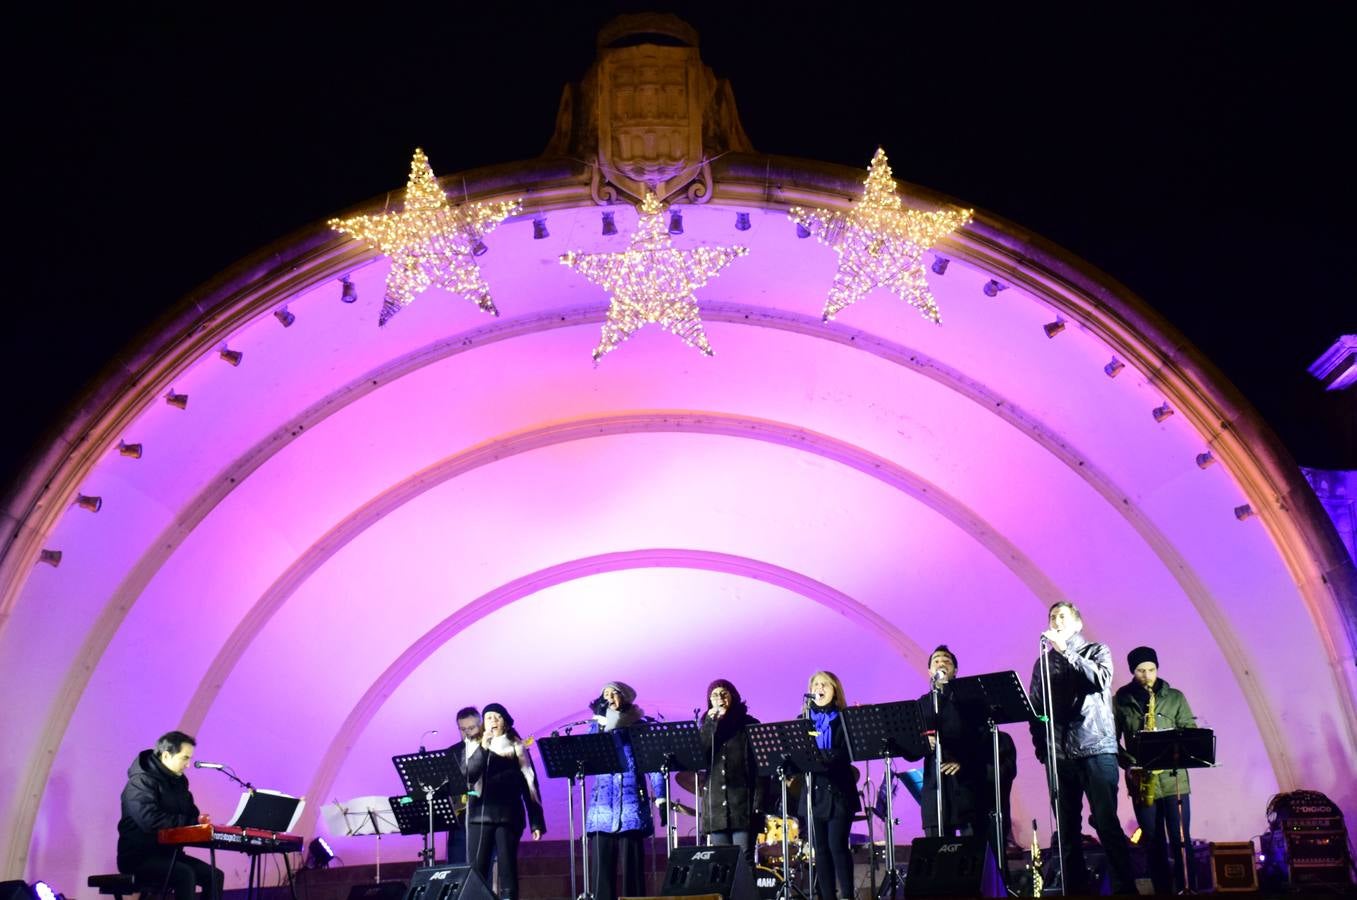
point(50, 557)
point(609, 223)
point(1205, 460)
point(940, 265)
point(285, 316)
point(742, 222)
point(93, 504)
point(1054, 328)
point(231, 357)
point(478, 248)
point(131, 451)
point(1244, 512)
point(539, 228)
point(349, 293)
point(1162, 411)
point(992, 288)
point(802, 231)
point(1113, 368)
point(676, 221)
point(178, 401)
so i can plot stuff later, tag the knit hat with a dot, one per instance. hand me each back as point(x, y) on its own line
point(499, 708)
point(626, 691)
point(1142, 655)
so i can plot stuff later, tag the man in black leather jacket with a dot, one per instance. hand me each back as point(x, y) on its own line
point(156, 797)
point(1085, 736)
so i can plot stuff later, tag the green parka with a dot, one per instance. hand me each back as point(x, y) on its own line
point(1170, 711)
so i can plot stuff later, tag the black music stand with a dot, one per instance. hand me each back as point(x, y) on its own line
point(574, 756)
point(416, 816)
point(666, 747)
point(1172, 749)
point(426, 773)
point(783, 749)
point(883, 731)
point(1002, 700)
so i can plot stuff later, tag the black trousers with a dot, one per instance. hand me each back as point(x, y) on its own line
point(185, 873)
point(1097, 778)
point(627, 847)
point(832, 853)
point(1159, 827)
point(502, 840)
point(457, 845)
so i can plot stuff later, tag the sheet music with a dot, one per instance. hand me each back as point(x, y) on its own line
point(244, 801)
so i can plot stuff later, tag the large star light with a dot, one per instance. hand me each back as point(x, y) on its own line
point(652, 283)
point(430, 243)
point(880, 243)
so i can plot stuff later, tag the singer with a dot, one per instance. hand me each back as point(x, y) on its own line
point(502, 774)
point(733, 792)
point(1085, 746)
point(156, 797)
point(834, 795)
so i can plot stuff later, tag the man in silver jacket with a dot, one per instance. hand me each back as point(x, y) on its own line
point(1085, 738)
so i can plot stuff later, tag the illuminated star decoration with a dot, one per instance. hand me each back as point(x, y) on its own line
point(652, 283)
point(880, 243)
point(429, 243)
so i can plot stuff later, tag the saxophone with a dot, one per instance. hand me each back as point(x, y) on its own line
point(1034, 866)
point(1146, 782)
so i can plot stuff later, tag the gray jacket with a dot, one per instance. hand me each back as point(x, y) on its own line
point(1081, 685)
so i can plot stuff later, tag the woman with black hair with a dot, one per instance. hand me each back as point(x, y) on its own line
point(733, 792)
point(501, 774)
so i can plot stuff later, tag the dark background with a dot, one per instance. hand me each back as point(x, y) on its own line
point(1195, 157)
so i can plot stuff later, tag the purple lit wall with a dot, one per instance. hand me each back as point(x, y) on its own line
point(355, 532)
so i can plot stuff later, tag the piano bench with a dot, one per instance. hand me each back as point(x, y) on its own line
point(115, 885)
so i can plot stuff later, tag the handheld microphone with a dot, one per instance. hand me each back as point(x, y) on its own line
point(939, 675)
point(207, 765)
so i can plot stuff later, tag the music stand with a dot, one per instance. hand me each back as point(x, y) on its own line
point(782, 749)
point(666, 747)
point(574, 756)
point(1169, 750)
point(362, 816)
point(416, 816)
point(1002, 700)
point(883, 731)
point(425, 772)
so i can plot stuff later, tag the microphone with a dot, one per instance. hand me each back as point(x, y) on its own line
point(807, 696)
point(1045, 643)
point(939, 675)
point(207, 765)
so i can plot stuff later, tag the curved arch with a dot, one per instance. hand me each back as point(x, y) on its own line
point(367, 515)
point(391, 678)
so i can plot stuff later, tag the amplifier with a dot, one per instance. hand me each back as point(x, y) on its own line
point(1305, 859)
point(1232, 867)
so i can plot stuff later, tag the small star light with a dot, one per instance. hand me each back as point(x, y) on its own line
point(880, 243)
point(430, 243)
point(651, 283)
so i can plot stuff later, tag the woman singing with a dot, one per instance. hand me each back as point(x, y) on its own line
point(833, 794)
point(502, 775)
point(733, 791)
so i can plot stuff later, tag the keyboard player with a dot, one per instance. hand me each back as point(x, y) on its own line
point(156, 797)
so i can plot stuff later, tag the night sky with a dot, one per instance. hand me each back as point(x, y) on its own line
point(1197, 159)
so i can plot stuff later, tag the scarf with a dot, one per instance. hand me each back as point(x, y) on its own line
point(823, 717)
point(621, 718)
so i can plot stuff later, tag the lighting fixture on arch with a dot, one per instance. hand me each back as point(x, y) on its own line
point(880, 243)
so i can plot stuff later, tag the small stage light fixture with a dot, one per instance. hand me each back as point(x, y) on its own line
point(940, 265)
point(478, 248)
point(609, 223)
point(1054, 328)
point(51, 557)
point(1162, 411)
point(233, 357)
point(539, 228)
point(1243, 512)
point(131, 451)
point(742, 222)
point(1113, 368)
point(285, 316)
point(350, 293)
point(93, 504)
point(676, 221)
point(179, 401)
point(1205, 460)
point(802, 231)
point(318, 854)
point(992, 288)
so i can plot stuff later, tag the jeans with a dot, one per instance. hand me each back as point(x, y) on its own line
point(1097, 778)
point(1164, 843)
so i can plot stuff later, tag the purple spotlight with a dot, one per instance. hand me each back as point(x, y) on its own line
point(742, 222)
point(609, 223)
point(44, 891)
point(940, 265)
point(478, 248)
point(350, 293)
point(802, 231)
point(539, 228)
point(676, 221)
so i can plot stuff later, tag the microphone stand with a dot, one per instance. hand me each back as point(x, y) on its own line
point(230, 773)
point(937, 751)
point(1052, 777)
point(810, 820)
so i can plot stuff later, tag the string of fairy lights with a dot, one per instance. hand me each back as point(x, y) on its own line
point(431, 243)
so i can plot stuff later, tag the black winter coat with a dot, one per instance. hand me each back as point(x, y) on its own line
point(154, 798)
point(835, 791)
point(734, 792)
point(504, 792)
point(1081, 682)
point(966, 741)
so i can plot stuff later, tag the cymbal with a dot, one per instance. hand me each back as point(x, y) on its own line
point(691, 782)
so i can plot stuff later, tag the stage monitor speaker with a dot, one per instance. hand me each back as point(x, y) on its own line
point(694, 871)
point(448, 883)
point(952, 867)
point(382, 890)
point(15, 890)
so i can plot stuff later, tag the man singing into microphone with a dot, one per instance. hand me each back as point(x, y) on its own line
point(156, 797)
point(1085, 738)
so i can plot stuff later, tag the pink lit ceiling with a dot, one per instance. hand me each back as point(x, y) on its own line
point(357, 531)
